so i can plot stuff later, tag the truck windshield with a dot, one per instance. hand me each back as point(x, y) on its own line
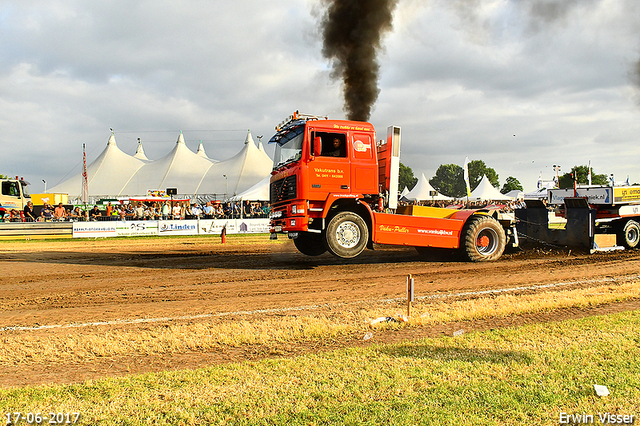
point(25, 190)
point(288, 151)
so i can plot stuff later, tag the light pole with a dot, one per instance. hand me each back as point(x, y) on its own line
point(45, 185)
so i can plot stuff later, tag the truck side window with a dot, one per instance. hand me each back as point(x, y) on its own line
point(333, 144)
point(10, 188)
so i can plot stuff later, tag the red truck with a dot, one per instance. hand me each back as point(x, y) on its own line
point(335, 188)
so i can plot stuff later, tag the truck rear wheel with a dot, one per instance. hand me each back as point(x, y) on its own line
point(347, 235)
point(310, 244)
point(482, 239)
point(631, 234)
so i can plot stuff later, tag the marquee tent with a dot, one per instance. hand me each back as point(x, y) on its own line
point(485, 191)
point(424, 191)
point(117, 174)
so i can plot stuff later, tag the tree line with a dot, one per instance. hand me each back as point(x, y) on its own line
point(449, 178)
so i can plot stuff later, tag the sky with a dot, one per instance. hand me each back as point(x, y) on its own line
point(522, 85)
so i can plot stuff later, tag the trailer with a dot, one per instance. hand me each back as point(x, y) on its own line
point(334, 187)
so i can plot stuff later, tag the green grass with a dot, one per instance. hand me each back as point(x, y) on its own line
point(526, 375)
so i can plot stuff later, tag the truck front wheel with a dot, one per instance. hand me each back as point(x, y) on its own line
point(631, 234)
point(310, 244)
point(347, 235)
point(483, 239)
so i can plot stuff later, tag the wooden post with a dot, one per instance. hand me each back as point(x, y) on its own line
point(410, 294)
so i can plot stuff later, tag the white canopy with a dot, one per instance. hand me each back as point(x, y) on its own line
point(485, 191)
point(515, 194)
point(424, 191)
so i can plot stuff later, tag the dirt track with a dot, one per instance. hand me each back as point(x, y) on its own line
point(57, 283)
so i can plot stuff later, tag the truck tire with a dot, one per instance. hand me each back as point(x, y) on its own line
point(482, 239)
point(347, 235)
point(630, 234)
point(310, 244)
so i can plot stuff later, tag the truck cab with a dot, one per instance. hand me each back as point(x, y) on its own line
point(14, 194)
point(317, 161)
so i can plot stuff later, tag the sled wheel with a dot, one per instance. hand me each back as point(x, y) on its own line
point(483, 239)
point(310, 244)
point(631, 234)
point(347, 235)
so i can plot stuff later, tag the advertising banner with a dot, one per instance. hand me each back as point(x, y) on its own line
point(629, 194)
point(137, 228)
point(168, 227)
point(593, 195)
point(177, 227)
point(94, 229)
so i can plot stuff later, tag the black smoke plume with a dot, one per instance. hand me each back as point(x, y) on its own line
point(352, 32)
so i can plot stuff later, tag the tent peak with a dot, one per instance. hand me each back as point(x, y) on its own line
point(201, 151)
point(140, 151)
point(249, 138)
point(180, 139)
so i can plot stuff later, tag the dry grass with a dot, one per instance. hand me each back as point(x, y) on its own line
point(86, 343)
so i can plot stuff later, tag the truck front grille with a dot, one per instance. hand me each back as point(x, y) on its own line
point(283, 189)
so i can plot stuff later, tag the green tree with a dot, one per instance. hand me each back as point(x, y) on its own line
point(3, 177)
point(511, 184)
point(406, 178)
point(581, 173)
point(449, 180)
point(478, 169)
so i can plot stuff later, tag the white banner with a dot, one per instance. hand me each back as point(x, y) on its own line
point(137, 227)
point(94, 229)
point(177, 227)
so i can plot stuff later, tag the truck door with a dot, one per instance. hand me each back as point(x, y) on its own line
point(330, 171)
point(364, 172)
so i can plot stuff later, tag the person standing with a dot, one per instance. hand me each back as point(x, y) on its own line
point(28, 212)
point(165, 211)
point(177, 212)
point(60, 213)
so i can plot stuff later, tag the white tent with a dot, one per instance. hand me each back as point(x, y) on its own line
point(424, 191)
point(404, 192)
point(485, 191)
point(115, 173)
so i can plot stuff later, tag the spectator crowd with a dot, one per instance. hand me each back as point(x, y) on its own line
point(140, 211)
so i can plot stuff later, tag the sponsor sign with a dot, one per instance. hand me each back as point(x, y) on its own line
point(137, 228)
point(593, 195)
point(177, 227)
point(626, 194)
point(94, 229)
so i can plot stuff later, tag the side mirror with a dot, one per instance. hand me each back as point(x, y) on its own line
point(317, 145)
